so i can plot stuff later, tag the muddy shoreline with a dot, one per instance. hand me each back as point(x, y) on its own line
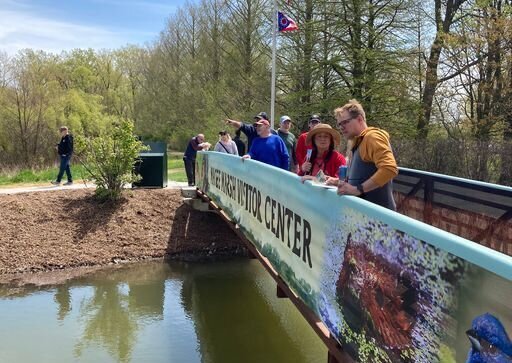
point(50, 237)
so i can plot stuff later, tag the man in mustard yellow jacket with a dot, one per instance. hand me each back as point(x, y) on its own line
point(371, 165)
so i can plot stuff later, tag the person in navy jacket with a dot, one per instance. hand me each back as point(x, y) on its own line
point(189, 158)
point(65, 150)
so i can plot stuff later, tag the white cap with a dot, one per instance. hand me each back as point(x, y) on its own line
point(284, 118)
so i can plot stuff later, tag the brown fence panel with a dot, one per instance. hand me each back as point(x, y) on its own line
point(477, 211)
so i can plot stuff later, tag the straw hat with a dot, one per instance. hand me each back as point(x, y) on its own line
point(324, 128)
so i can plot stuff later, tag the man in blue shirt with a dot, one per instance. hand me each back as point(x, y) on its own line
point(248, 129)
point(268, 148)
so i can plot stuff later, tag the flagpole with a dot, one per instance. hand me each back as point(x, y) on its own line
point(274, 41)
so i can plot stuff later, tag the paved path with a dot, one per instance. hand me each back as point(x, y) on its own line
point(46, 188)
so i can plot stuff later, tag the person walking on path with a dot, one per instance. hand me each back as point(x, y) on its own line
point(65, 151)
point(285, 123)
point(225, 144)
point(189, 158)
point(372, 165)
point(268, 148)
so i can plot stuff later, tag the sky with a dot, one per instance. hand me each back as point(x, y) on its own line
point(57, 25)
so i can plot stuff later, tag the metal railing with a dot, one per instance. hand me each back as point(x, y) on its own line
point(481, 212)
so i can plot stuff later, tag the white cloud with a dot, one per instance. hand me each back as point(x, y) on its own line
point(21, 30)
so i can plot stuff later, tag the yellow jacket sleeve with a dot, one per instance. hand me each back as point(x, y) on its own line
point(375, 147)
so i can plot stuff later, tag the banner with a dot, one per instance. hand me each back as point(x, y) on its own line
point(389, 288)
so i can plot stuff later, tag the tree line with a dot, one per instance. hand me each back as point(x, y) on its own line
point(436, 74)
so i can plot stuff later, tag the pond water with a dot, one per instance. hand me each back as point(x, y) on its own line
point(157, 312)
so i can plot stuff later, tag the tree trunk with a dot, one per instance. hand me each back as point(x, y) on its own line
point(431, 77)
point(358, 56)
point(308, 54)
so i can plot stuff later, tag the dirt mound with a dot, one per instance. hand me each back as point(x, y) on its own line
point(70, 228)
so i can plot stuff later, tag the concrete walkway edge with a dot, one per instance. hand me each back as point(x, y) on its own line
point(48, 188)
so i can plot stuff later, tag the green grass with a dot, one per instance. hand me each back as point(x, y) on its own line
point(177, 175)
point(175, 155)
point(175, 167)
point(175, 170)
point(175, 164)
point(31, 176)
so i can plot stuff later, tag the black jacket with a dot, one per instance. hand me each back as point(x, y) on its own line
point(65, 146)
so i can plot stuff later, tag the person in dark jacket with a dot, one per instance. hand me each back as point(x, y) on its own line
point(240, 145)
point(65, 150)
point(189, 158)
point(285, 123)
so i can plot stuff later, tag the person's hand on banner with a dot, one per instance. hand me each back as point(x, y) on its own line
point(345, 188)
point(332, 180)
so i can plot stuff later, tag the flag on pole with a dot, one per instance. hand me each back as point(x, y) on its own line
point(285, 23)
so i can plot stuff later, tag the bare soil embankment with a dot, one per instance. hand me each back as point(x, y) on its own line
point(68, 229)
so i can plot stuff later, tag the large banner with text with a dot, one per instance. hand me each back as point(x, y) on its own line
point(388, 287)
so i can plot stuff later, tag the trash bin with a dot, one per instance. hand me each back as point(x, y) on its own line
point(152, 166)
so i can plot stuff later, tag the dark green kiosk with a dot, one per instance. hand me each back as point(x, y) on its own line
point(152, 166)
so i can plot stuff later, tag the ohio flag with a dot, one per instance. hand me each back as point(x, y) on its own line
point(285, 23)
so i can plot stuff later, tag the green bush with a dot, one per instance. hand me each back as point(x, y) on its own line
point(109, 159)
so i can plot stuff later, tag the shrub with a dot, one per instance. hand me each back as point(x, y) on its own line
point(109, 159)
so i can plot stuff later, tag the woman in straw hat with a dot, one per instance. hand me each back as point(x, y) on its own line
point(324, 156)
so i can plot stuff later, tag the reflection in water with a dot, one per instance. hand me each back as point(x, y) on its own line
point(155, 312)
point(108, 322)
point(63, 299)
point(253, 330)
point(123, 300)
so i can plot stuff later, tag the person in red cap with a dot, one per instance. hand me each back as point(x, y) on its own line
point(248, 129)
point(301, 151)
point(267, 147)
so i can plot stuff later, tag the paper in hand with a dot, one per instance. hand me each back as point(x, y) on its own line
point(320, 177)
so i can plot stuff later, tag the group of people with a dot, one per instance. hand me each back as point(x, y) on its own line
point(370, 162)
